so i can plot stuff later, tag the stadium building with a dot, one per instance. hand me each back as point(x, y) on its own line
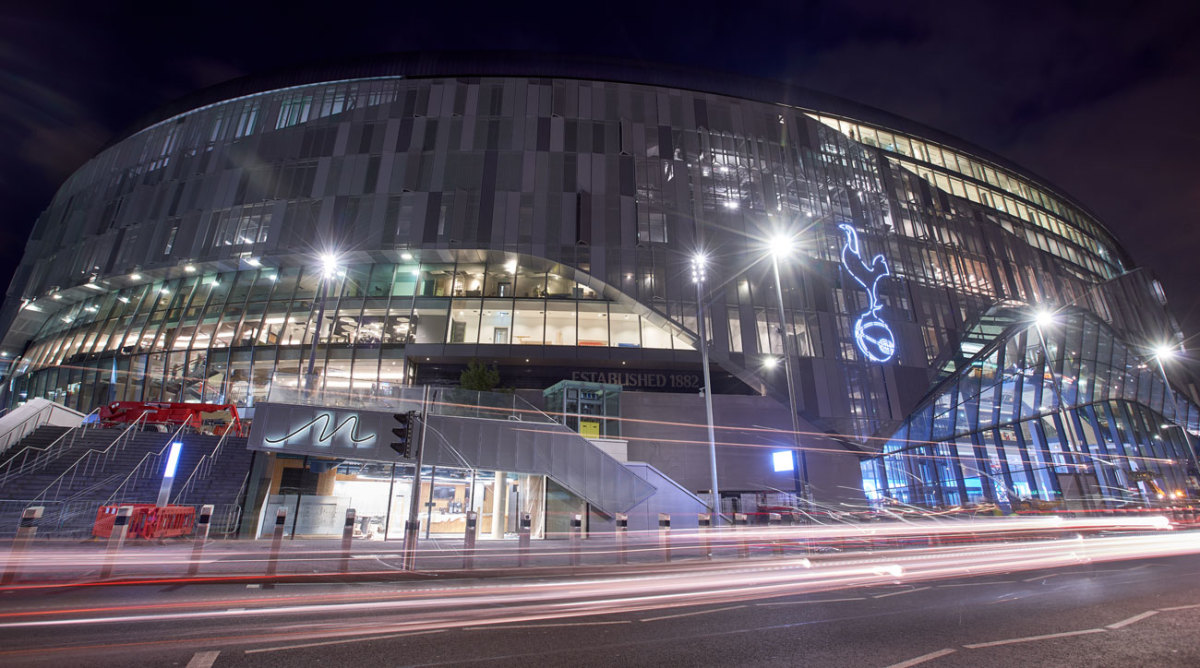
point(954, 330)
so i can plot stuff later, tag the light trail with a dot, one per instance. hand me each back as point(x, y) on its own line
point(428, 606)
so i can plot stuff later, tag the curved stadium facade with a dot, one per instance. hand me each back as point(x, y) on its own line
point(542, 215)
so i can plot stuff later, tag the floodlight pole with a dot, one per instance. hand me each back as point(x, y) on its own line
point(1187, 438)
point(698, 276)
point(1068, 426)
point(310, 377)
point(800, 460)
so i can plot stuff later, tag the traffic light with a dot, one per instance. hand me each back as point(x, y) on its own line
point(406, 423)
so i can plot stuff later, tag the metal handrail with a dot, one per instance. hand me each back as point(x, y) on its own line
point(45, 455)
point(37, 414)
point(134, 475)
point(100, 484)
point(202, 467)
point(44, 411)
point(112, 448)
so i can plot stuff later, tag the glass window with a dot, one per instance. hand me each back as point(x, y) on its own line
point(528, 322)
point(431, 319)
point(497, 321)
point(464, 321)
point(501, 279)
point(436, 280)
point(654, 336)
point(623, 328)
point(593, 324)
point(404, 284)
point(372, 323)
point(560, 287)
point(468, 281)
point(560, 323)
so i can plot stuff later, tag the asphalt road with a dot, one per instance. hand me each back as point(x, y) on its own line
point(1118, 613)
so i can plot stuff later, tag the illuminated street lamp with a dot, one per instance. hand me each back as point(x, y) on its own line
point(781, 246)
point(329, 269)
point(699, 274)
point(1043, 317)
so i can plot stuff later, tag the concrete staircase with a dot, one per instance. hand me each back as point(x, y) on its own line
point(96, 469)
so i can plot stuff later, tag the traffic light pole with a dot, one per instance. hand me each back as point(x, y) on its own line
point(413, 525)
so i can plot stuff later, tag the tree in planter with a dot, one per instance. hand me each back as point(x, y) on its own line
point(479, 377)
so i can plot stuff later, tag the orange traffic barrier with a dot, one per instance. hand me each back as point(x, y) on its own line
point(147, 521)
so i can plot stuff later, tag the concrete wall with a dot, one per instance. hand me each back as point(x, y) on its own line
point(669, 432)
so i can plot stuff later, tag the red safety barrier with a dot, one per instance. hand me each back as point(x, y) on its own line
point(148, 521)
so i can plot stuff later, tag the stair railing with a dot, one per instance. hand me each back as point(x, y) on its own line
point(203, 467)
point(33, 458)
point(149, 462)
point(19, 430)
point(92, 461)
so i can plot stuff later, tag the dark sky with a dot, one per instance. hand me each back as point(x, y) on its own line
point(1099, 98)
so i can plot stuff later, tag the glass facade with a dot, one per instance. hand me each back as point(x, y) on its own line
point(1057, 415)
point(226, 337)
point(550, 222)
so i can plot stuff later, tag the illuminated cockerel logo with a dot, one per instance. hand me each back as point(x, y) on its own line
point(326, 434)
point(872, 335)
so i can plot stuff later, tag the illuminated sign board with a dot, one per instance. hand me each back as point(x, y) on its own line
point(871, 334)
point(325, 435)
point(783, 460)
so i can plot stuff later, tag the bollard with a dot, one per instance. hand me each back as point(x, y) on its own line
point(664, 535)
point(739, 525)
point(347, 539)
point(523, 540)
point(116, 539)
point(412, 532)
point(775, 520)
point(26, 530)
point(202, 525)
point(469, 540)
point(622, 528)
point(704, 521)
point(576, 539)
point(276, 540)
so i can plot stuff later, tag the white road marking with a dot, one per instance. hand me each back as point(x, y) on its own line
point(692, 614)
point(203, 659)
point(917, 660)
point(822, 600)
point(975, 584)
point(1055, 575)
point(1136, 618)
point(542, 626)
point(1180, 607)
point(897, 593)
point(258, 586)
point(1049, 636)
point(234, 609)
point(340, 642)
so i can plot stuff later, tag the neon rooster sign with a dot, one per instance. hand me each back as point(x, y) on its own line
point(871, 334)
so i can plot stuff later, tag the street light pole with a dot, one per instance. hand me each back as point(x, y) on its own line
point(800, 460)
point(699, 273)
point(1071, 441)
point(328, 270)
point(1159, 354)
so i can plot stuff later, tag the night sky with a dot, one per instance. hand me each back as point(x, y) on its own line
point(1101, 99)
